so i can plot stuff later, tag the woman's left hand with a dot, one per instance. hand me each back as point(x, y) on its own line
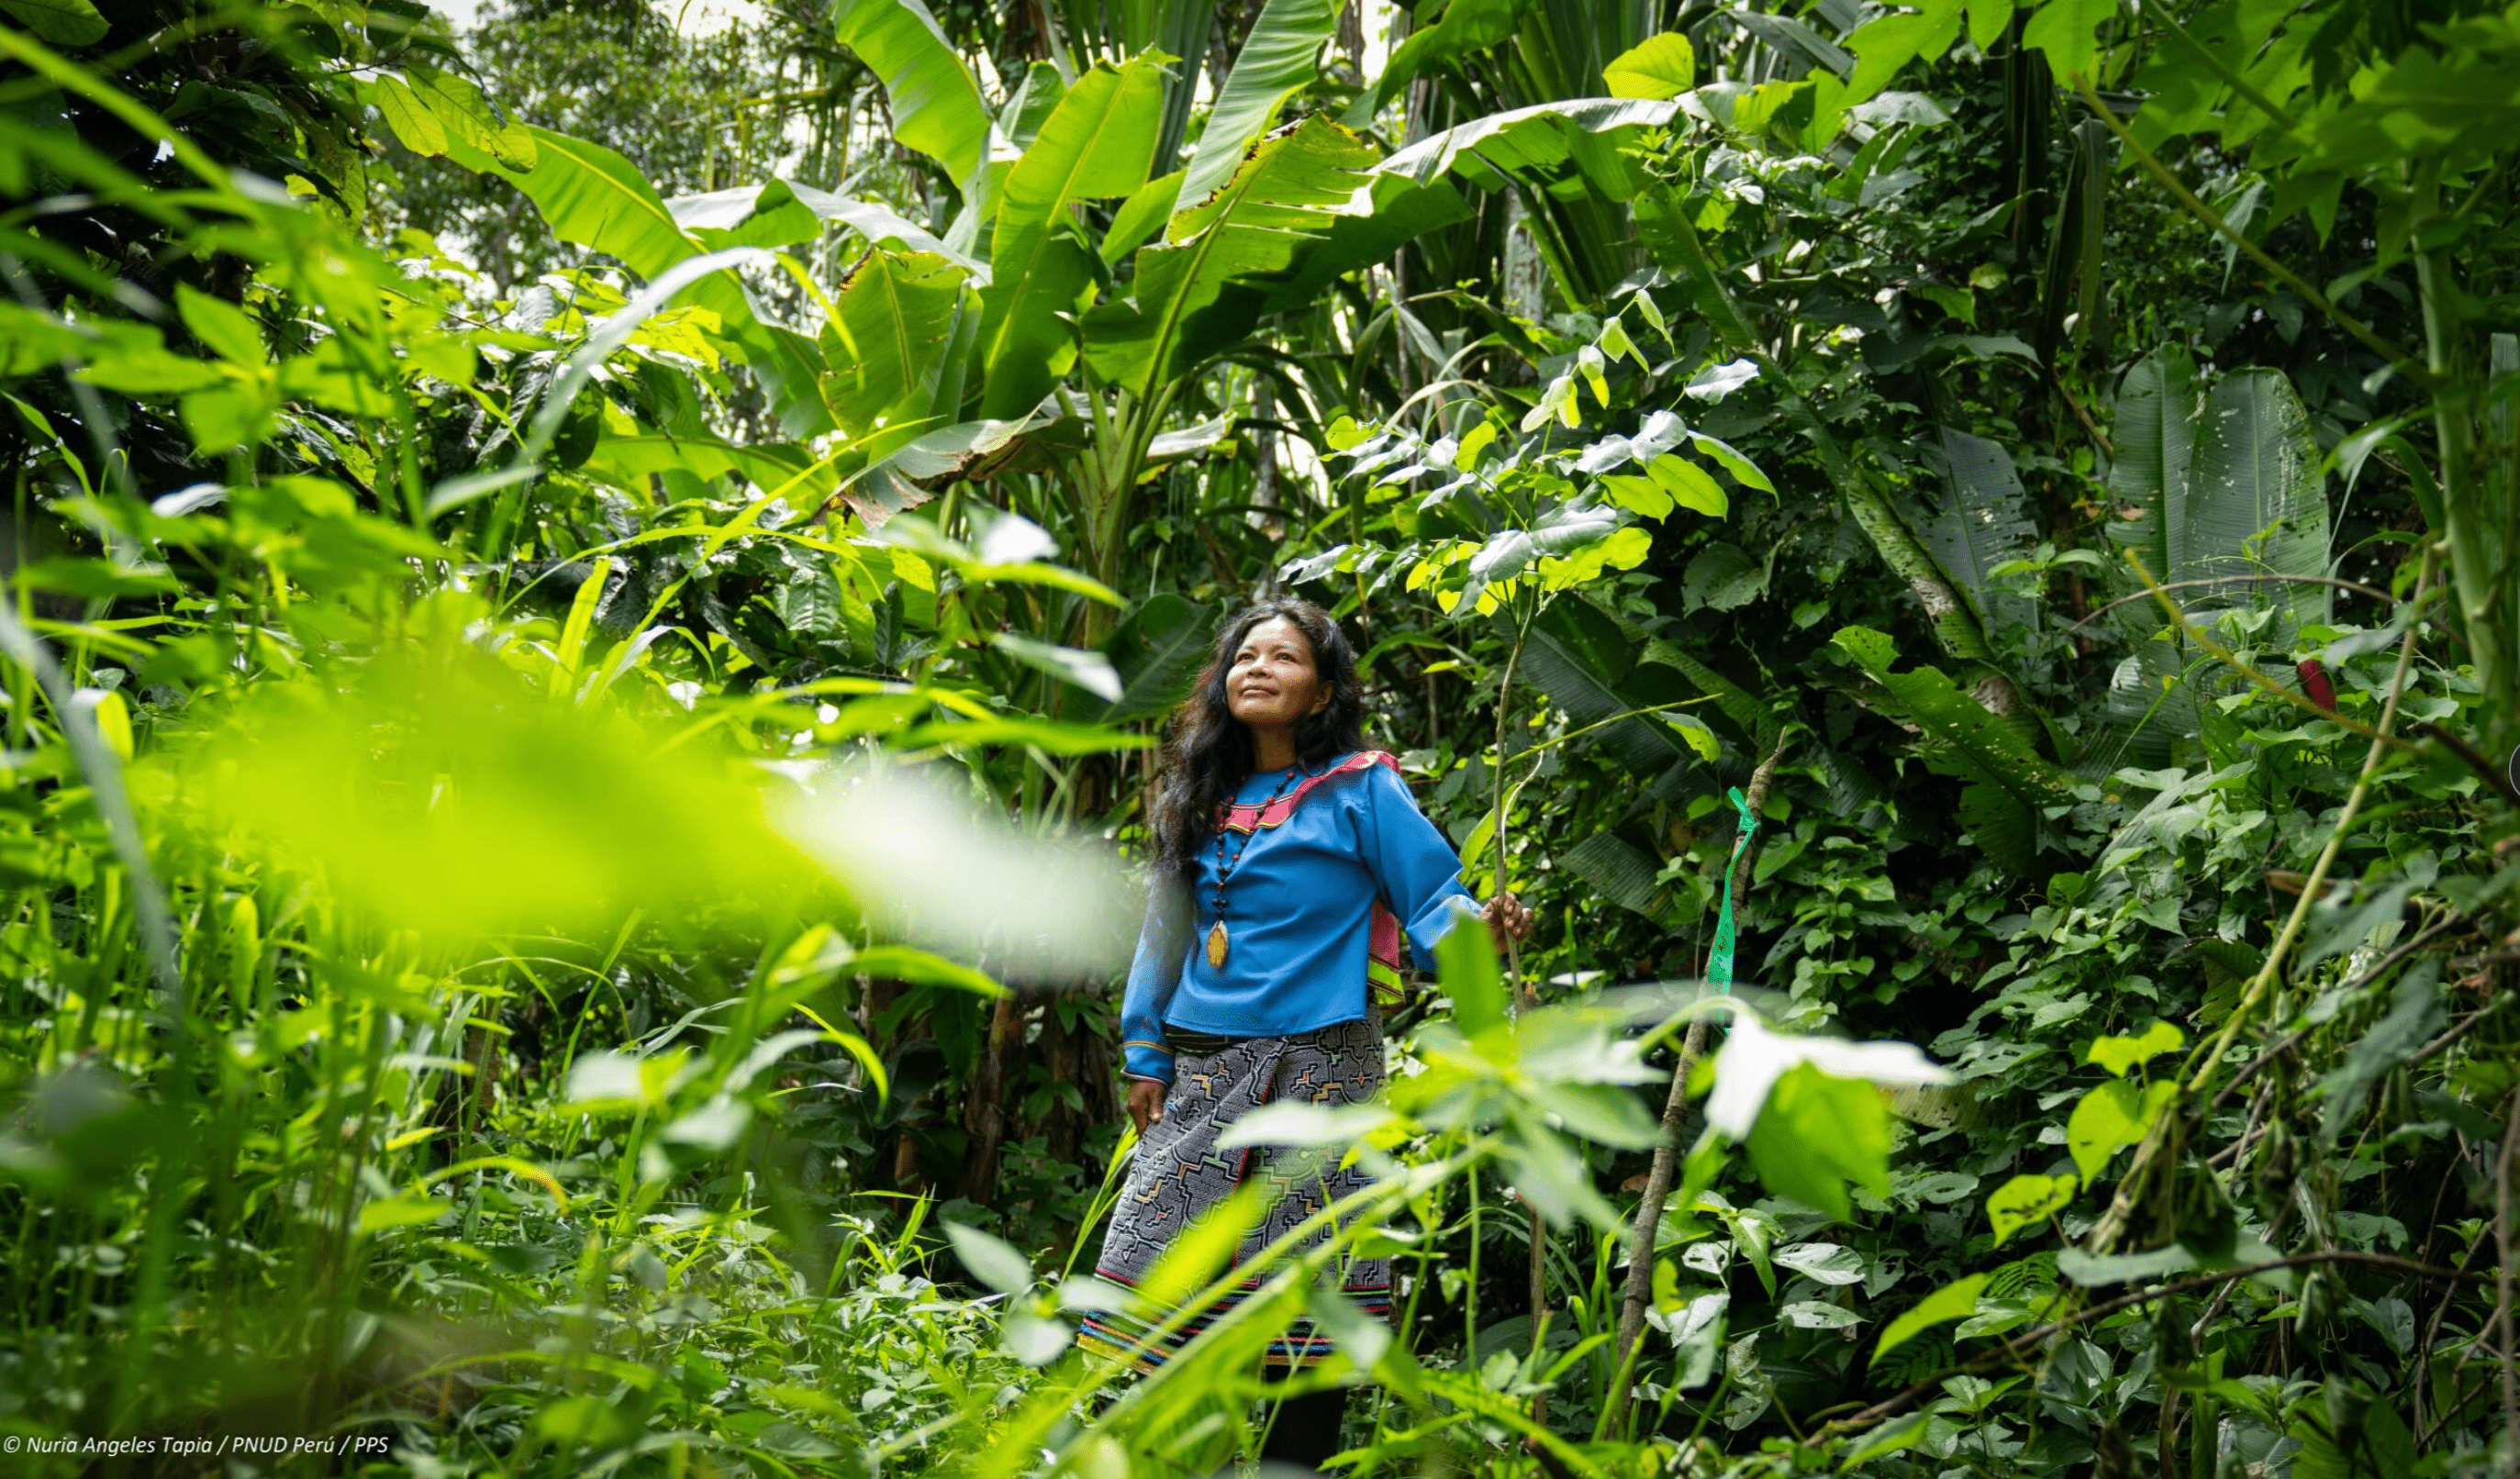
point(1506, 917)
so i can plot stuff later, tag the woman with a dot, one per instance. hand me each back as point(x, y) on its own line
point(1288, 860)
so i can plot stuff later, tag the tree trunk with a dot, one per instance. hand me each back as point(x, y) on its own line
point(984, 1109)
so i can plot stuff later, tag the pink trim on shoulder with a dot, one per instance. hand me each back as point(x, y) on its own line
point(1382, 928)
point(1251, 817)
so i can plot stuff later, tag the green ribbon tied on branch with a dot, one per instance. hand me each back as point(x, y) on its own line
point(1719, 961)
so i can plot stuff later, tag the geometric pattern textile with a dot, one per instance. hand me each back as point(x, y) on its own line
point(1178, 1173)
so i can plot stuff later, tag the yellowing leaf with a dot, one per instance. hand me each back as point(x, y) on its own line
point(468, 115)
point(411, 122)
point(2111, 1117)
point(1638, 495)
point(1688, 484)
point(404, 1212)
point(1624, 549)
point(113, 723)
point(2028, 1199)
point(2119, 1054)
point(1473, 442)
point(1656, 67)
point(1695, 731)
point(1590, 363)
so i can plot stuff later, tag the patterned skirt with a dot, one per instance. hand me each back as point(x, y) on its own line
point(1179, 1174)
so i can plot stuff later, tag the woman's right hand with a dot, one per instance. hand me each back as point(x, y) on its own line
point(1146, 1101)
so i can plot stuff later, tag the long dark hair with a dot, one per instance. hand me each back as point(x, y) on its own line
point(1208, 753)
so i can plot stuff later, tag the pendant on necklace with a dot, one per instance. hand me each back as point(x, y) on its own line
point(1216, 944)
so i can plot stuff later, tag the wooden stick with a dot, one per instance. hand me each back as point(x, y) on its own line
point(1658, 1181)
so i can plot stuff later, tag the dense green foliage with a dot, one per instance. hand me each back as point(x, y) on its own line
point(585, 611)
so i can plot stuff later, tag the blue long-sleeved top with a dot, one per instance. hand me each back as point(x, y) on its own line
point(1296, 914)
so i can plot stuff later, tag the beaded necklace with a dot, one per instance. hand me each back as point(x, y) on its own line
point(1216, 938)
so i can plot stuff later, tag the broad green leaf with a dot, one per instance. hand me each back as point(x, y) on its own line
point(413, 124)
point(1278, 59)
point(935, 101)
point(1957, 1300)
point(1973, 741)
point(1140, 217)
point(1097, 144)
point(2231, 487)
point(1826, 1263)
point(1894, 1437)
point(2156, 447)
point(1980, 521)
point(1656, 67)
point(1155, 653)
point(775, 468)
point(1753, 1058)
point(1744, 471)
point(1041, 90)
point(1466, 26)
point(1722, 577)
point(2066, 30)
point(1882, 46)
point(783, 213)
point(1987, 20)
point(1616, 872)
point(2121, 1055)
point(1715, 381)
point(62, 23)
point(2111, 1117)
point(2257, 502)
point(1816, 1133)
point(1511, 552)
point(1688, 484)
point(1623, 549)
point(1465, 962)
point(590, 195)
point(2094, 1270)
point(991, 1260)
point(2026, 1200)
point(113, 718)
point(1203, 292)
point(716, 1126)
point(386, 1213)
point(894, 314)
point(1399, 211)
point(1575, 668)
point(903, 963)
point(596, 1423)
point(1087, 669)
point(224, 329)
point(1644, 496)
point(466, 114)
point(1534, 140)
point(1816, 1315)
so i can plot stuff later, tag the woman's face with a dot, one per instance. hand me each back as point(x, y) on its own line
point(1272, 684)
